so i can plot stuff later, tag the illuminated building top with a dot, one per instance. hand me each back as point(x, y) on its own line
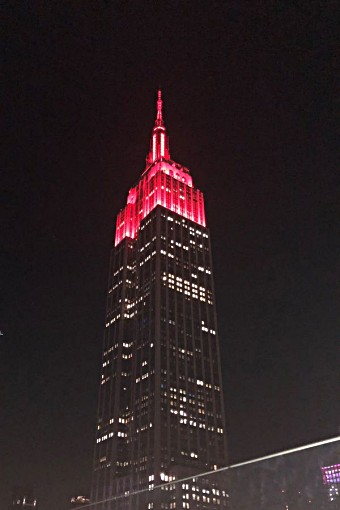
point(331, 474)
point(164, 183)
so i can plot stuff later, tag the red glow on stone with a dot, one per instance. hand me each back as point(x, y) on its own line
point(164, 183)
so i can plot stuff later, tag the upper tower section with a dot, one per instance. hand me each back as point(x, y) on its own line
point(159, 145)
point(164, 183)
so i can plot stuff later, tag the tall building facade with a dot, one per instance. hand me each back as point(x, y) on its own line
point(161, 410)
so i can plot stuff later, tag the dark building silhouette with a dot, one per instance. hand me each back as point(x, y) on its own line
point(160, 411)
point(23, 497)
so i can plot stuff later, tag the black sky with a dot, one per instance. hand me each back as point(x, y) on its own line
point(250, 105)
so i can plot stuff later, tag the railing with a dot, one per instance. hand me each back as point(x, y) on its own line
point(302, 478)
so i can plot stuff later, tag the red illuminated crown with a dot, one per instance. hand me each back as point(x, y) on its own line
point(163, 183)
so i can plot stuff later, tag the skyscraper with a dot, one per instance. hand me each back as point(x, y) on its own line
point(160, 411)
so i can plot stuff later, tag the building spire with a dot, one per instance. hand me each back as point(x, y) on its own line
point(159, 146)
point(159, 118)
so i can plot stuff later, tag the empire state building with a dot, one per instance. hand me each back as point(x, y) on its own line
point(160, 411)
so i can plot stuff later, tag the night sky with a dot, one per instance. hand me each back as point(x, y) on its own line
point(250, 106)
